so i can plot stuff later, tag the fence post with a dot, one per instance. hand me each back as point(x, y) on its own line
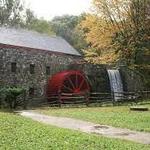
point(113, 98)
point(59, 99)
point(87, 98)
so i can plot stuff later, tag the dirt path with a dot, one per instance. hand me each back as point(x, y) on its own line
point(88, 127)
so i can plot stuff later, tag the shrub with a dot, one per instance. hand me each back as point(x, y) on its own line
point(9, 97)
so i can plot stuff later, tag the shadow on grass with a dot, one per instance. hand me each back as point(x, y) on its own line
point(4, 110)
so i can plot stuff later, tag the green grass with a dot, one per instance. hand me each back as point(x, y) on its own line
point(18, 133)
point(119, 116)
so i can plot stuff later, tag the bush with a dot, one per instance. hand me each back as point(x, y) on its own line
point(9, 97)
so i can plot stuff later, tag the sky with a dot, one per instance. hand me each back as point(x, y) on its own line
point(50, 8)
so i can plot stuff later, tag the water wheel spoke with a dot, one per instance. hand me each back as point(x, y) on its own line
point(76, 80)
point(81, 84)
point(71, 83)
point(71, 90)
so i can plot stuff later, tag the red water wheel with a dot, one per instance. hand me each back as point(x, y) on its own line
point(73, 82)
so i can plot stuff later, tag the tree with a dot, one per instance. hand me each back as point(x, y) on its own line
point(67, 27)
point(11, 12)
point(39, 25)
point(98, 34)
point(30, 17)
point(128, 25)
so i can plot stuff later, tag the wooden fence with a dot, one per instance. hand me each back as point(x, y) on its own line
point(90, 98)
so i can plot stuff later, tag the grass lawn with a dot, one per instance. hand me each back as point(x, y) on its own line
point(119, 116)
point(18, 133)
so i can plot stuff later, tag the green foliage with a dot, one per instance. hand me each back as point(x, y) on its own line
point(115, 116)
point(144, 71)
point(39, 25)
point(9, 95)
point(18, 133)
point(67, 27)
point(10, 12)
point(134, 47)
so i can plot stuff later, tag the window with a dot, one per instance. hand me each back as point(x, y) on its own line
point(31, 91)
point(13, 67)
point(32, 68)
point(48, 70)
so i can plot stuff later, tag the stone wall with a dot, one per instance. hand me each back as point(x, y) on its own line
point(23, 59)
point(96, 74)
point(132, 79)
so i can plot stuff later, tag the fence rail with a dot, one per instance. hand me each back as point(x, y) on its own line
point(90, 98)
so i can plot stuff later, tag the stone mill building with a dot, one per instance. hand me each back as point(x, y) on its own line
point(28, 59)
